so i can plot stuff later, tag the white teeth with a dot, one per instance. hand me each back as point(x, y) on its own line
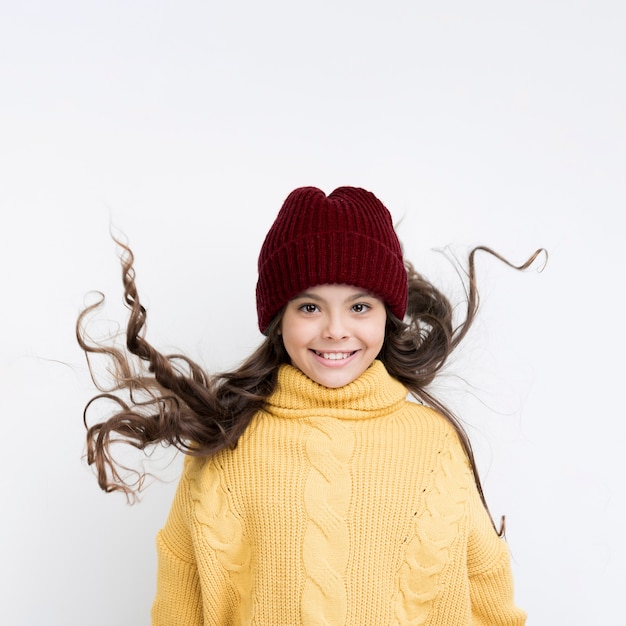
point(334, 356)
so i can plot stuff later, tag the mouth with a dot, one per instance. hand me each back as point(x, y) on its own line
point(335, 356)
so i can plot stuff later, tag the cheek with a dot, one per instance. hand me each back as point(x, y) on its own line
point(377, 332)
point(378, 341)
point(295, 332)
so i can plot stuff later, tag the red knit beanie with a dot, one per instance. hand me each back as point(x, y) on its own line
point(345, 238)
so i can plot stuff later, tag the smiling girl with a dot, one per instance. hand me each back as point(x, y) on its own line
point(333, 333)
point(323, 482)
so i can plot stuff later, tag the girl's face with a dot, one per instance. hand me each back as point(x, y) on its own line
point(332, 333)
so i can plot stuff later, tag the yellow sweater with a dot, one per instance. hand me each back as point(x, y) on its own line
point(338, 506)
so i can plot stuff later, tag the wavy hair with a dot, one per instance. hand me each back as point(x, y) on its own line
point(169, 399)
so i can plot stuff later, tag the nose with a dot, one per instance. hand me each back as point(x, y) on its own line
point(336, 327)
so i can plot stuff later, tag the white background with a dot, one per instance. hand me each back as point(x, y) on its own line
point(185, 124)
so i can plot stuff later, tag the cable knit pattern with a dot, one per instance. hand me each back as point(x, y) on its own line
point(349, 506)
point(436, 526)
point(223, 533)
point(327, 495)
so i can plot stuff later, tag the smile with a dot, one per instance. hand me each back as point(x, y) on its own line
point(334, 356)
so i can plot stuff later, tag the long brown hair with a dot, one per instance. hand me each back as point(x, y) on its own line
point(415, 351)
point(170, 400)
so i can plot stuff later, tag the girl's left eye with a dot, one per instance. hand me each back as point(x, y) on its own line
point(360, 307)
point(309, 308)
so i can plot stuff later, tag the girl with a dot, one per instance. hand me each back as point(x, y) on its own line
point(313, 490)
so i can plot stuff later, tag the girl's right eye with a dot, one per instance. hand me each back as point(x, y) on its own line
point(309, 308)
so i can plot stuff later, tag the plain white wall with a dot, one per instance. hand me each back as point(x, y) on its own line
point(186, 124)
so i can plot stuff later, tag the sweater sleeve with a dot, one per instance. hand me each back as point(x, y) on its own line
point(178, 598)
point(491, 580)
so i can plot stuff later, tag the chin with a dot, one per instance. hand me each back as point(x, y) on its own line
point(334, 378)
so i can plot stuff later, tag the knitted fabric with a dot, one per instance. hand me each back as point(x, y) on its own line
point(344, 238)
point(348, 506)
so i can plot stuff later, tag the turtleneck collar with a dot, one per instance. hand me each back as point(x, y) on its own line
point(373, 394)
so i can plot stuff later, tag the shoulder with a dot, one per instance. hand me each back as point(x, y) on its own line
point(429, 418)
point(435, 431)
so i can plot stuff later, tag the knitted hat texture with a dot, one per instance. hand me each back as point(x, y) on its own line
point(346, 238)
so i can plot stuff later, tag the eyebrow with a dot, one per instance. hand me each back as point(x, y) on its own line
point(307, 295)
